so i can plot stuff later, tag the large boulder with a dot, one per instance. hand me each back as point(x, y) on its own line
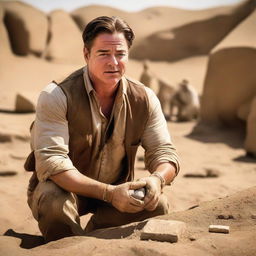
point(27, 28)
point(250, 140)
point(5, 48)
point(66, 42)
point(231, 78)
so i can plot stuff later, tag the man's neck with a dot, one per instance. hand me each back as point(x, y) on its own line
point(106, 95)
point(106, 92)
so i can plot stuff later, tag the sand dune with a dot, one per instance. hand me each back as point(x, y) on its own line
point(192, 38)
point(180, 33)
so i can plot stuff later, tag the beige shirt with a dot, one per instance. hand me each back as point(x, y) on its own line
point(50, 136)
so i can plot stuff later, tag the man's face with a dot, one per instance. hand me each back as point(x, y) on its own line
point(107, 59)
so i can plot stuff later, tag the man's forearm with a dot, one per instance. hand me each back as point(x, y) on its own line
point(167, 171)
point(118, 196)
point(74, 181)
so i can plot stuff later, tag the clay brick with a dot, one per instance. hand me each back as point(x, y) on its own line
point(163, 230)
point(219, 229)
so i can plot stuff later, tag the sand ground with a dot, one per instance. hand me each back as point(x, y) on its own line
point(219, 150)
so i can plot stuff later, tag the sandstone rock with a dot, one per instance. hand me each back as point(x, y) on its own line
point(25, 102)
point(5, 48)
point(7, 173)
point(230, 83)
point(196, 174)
point(219, 229)
point(244, 110)
point(163, 230)
point(225, 216)
point(207, 173)
point(164, 94)
point(192, 238)
point(27, 28)
point(253, 216)
point(250, 140)
point(66, 44)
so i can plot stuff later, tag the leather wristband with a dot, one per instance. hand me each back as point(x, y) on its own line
point(160, 177)
point(104, 197)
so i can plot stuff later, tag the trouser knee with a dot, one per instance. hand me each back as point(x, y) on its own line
point(50, 199)
point(56, 211)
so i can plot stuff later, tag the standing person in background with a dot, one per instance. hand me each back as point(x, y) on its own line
point(85, 137)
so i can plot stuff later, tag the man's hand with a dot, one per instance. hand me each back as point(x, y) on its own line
point(123, 201)
point(153, 192)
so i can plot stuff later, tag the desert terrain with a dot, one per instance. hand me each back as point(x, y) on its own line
point(215, 49)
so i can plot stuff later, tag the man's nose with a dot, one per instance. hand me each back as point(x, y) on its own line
point(113, 60)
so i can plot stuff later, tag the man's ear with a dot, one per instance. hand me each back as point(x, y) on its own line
point(86, 54)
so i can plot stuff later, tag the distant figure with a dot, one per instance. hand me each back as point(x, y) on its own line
point(186, 101)
point(165, 93)
point(146, 78)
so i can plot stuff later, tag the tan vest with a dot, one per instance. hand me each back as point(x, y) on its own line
point(80, 124)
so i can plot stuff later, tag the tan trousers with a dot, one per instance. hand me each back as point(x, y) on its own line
point(58, 212)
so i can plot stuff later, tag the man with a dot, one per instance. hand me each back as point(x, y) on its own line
point(85, 137)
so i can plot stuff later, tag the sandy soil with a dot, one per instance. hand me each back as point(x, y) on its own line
point(213, 149)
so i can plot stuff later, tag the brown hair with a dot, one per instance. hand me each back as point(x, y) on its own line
point(105, 24)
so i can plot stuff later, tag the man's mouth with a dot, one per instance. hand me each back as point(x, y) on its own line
point(112, 72)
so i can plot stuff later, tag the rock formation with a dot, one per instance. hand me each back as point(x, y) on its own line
point(27, 28)
point(65, 43)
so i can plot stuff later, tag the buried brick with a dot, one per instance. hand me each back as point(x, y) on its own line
point(163, 230)
point(219, 229)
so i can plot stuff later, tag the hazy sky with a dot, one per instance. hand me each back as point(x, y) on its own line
point(128, 5)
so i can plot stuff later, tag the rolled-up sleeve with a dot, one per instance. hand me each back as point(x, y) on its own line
point(156, 139)
point(50, 136)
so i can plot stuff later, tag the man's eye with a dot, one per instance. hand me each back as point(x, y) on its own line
point(121, 54)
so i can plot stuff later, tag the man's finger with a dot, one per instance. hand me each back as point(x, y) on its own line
point(150, 194)
point(137, 202)
point(137, 184)
point(151, 203)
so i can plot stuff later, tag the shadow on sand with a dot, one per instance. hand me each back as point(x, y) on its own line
point(245, 159)
point(32, 241)
point(118, 232)
point(231, 136)
point(27, 241)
